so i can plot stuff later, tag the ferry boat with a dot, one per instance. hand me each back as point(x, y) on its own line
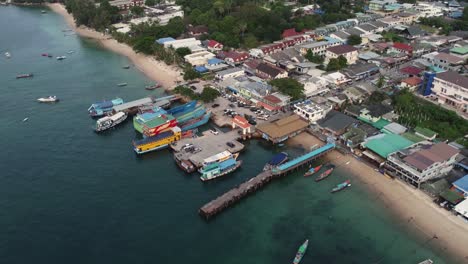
point(326, 173)
point(276, 160)
point(182, 109)
point(194, 114)
point(152, 123)
point(185, 165)
point(341, 186)
point(311, 171)
point(24, 75)
point(157, 142)
point(48, 99)
point(104, 107)
point(110, 121)
point(218, 169)
point(300, 252)
point(194, 123)
point(61, 57)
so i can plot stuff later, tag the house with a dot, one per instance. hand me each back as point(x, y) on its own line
point(311, 111)
point(354, 95)
point(233, 57)
point(426, 9)
point(214, 45)
point(230, 73)
point(290, 32)
point(199, 58)
point(197, 31)
point(420, 49)
point(313, 86)
point(271, 48)
point(335, 124)
point(373, 113)
point(193, 44)
point(382, 5)
point(268, 71)
point(460, 51)
point(367, 28)
point(368, 56)
point(451, 89)
point(317, 48)
point(412, 32)
point(462, 208)
point(286, 59)
point(407, 18)
point(253, 90)
point(461, 185)
point(126, 4)
point(421, 163)
point(274, 102)
point(340, 35)
point(282, 129)
point(398, 47)
point(447, 61)
point(425, 133)
point(379, 26)
point(360, 71)
point(411, 70)
point(336, 78)
point(347, 51)
point(355, 31)
point(394, 128)
point(411, 83)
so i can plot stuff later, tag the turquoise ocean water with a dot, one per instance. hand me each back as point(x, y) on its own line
point(68, 195)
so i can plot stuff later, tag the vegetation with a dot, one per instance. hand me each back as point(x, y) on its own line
point(445, 26)
point(377, 97)
point(381, 81)
point(417, 112)
point(391, 36)
point(354, 40)
point(151, 2)
point(86, 13)
point(290, 87)
point(314, 58)
point(190, 74)
point(337, 64)
point(183, 51)
point(137, 10)
point(208, 94)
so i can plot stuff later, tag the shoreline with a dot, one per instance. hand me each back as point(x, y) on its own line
point(413, 208)
point(158, 71)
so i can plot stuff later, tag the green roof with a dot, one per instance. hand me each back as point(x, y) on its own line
point(379, 124)
point(413, 137)
point(387, 144)
point(460, 50)
point(159, 120)
point(425, 131)
point(452, 196)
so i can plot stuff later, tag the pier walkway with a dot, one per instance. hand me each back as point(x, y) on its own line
point(131, 107)
point(237, 193)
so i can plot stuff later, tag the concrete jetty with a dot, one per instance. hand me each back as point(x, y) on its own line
point(244, 189)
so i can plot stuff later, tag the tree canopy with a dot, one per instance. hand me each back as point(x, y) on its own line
point(289, 87)
point(336, 64)
point(354, 40)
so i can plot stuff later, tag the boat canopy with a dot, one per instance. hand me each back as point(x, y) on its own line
point(227, 163)
point(223, 155)
point(278, 158)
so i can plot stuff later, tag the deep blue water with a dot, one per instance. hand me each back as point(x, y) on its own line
point(68, 195)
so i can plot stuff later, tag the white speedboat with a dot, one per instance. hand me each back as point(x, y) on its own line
point(48, 99)
point(61, 57)
point(7, 55)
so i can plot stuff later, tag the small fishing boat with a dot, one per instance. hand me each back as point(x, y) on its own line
point(7, 55)
point(43, 11)
point(61, 57)
point(122, 84)
point(26, 119)
point(48, 99)
point(46, 55)
point(152, 87)
point(70, 52)
point(300, 252)
point(312, 171)
point(126, 67)
point(326, 173)
point(24, 75)
point(276, 160)
point(341, 186)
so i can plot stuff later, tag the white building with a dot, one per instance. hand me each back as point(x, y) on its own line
point(311, 111)
point(425, 9)
point(192, 43)
point(347, 51)
point(451, 89)
point(317, 48)
point(230, 73)
point(421, 163)
point(462, 208)
point(126, 4)
point(199, 58)
point(336, 78)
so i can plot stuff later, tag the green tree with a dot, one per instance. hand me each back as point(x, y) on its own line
point(182, 52)
point(144, 45)
point(190, 74)
point(354, 40)
point(150, 2)
point(342, 62)
point(333, 65)
point(209, 94)
point(250, 41)
point(137, 10)
point(381, 82)
point(290, 87)
point(313, 58)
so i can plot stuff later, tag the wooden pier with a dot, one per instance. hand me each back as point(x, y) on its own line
point(234, 195)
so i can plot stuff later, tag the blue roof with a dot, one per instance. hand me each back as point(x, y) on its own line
point(163, 40)
point(201, 69)
point(227, 163)
point(215, 61)
point(462, 183)
point(307, 156)
point(332, 40)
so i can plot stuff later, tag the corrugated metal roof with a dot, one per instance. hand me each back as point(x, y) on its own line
point(387, 144)
point(462, 183)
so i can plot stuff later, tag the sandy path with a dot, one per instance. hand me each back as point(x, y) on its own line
point(409, 204)
point(156, 70)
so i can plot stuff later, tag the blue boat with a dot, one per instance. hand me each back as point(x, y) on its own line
point(194, 123)
point(278, 159)
point(182, 109)
point(196, 113)
point(104, 107)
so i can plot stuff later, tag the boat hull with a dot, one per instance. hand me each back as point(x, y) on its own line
point(238, 164)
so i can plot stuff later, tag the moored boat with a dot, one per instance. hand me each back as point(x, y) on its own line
point(341, 186)
point(110, 121)
point(159, 141)
point(326, 173)
point(104, 107)
point(48, 99)
point(276, 160)
point(24, 75)
point(196, 122)
point(220, 168)
point(70, 52)
point(300, 252)
point(313, 170)
point(185, 165)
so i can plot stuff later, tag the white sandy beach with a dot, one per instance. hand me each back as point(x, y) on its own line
point(156, 70)
point(412, 207)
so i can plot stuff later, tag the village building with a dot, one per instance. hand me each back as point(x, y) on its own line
point(425, 133)
point(460, 51)
point(335, 124)
point(268, 71)
point(411, 83)
point(229, 73)
point(347, 51)
point(282, 129)
point(360, 71)
point(233, 57)
point(126, 4)
point(199, 58)
point(311, 111)
point(451, 89)
point(214, 45)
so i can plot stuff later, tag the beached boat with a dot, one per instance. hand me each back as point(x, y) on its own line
point(313, 170)
point(61, 57)
point(110, 121)
point(300, 252)
point(104, 107)
point(276, 160)
point(220, 168)
point(326, 173)
point(121, 84)
point(182, 109)
point(24, 75)
point(159, 141)
point(48, 99)
point(341, 186)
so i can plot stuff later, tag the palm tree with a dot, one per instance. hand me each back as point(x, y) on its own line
point(242, 28)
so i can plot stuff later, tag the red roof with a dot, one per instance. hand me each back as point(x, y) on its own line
point(272, 99)
point(240, 121)
point(290, 32)
point(213, 43)
point(412, 81)
point(411, 70)
point(234, 55)
point(402, 46)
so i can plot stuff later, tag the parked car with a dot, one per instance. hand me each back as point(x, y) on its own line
point(230, 144)
point(214, 105)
